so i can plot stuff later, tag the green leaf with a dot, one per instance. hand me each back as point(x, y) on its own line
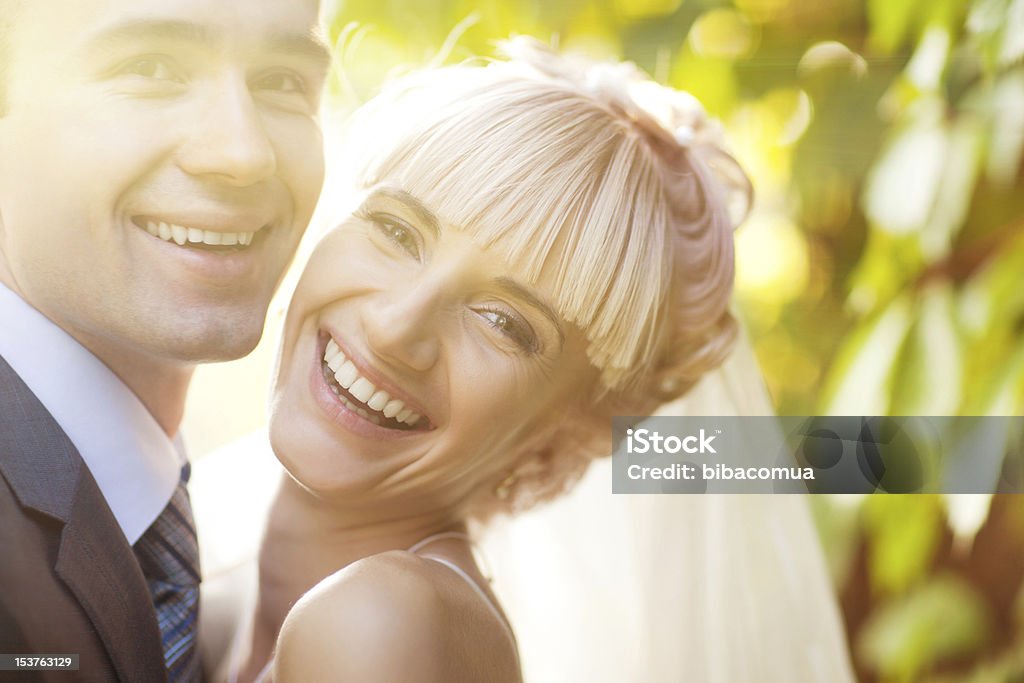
point(1007, 135)
point(859, 379)
point(891, 22)
point(904, 183)
point(928, 379)
point(938, 621)
point(956, 187)
point(903, 535)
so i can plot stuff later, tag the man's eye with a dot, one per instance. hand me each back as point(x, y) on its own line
point(281, 82)
point(152, 68)
point(513, 327)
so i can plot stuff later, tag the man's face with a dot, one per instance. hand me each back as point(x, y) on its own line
point(159, 162)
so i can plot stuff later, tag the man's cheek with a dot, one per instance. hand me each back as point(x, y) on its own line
point(300, 162)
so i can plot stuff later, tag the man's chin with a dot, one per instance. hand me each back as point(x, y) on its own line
point(218, 352)
point(210, 341)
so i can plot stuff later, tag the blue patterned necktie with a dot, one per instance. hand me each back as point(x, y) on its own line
point(169, 557)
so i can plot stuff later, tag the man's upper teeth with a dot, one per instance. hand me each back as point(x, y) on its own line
point(346, 374)
point(180, 234)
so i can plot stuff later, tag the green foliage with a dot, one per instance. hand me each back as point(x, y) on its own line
point(905, 533)
point(942, 619)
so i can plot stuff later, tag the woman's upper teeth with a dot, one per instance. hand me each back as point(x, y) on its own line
point(346, 374)
point(180, 234)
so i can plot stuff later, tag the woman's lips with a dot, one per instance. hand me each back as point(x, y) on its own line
point(352, 399)
point(373, 403)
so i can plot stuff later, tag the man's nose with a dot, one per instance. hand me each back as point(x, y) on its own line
point(228, 141)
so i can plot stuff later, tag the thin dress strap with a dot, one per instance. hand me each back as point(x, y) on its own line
point(439, 537)
point(502, 619)
point(479, 591)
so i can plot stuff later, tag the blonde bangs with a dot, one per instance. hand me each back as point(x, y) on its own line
point(553, 179)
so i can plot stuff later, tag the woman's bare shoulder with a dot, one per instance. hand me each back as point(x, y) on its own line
point(390, 617)
point(374, 620)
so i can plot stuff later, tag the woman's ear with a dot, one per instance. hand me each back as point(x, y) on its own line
point(569, 444)
point(554, 456)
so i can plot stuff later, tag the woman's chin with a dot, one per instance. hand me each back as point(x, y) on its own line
point(313, 463)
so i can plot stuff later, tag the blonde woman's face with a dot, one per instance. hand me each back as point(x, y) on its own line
point(416, 364)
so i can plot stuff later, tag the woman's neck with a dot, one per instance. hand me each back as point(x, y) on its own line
point(308, 539)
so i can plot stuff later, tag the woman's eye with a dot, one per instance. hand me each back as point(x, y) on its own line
point(152, 68)
point(397, 232)
point(513, 327)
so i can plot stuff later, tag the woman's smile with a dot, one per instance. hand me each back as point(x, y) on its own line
point(358, 396)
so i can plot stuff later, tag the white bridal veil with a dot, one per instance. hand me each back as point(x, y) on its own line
point(672, 588)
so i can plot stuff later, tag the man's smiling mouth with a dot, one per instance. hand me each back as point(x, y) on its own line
point(183, 235)
point(362, 397)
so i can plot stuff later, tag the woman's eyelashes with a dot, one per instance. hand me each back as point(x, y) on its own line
point(397, 231)
point(513, 326)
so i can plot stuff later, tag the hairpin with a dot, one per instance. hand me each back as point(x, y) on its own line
point(685, 135)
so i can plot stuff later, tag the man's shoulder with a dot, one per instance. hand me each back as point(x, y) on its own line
point(37, 459)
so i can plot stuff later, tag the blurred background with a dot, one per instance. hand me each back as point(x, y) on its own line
point(881, 271)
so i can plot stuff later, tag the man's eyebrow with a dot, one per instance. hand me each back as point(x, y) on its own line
point(310, 45)
point(426, 217)
point(517, 290)
point(153, 29)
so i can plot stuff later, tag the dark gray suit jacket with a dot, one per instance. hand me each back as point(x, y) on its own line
point(69, 581)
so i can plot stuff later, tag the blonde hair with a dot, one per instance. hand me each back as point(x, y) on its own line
point(540, 155)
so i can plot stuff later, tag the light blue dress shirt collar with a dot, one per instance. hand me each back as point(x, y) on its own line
point(135, 464)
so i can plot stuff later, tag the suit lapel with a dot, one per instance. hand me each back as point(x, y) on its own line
point(46, 473)
point(98, 565)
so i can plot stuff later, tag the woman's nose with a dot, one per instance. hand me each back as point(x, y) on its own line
point(402, 326)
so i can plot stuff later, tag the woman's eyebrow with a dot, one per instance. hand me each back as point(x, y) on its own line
point(515, 289)
point(426, 217)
